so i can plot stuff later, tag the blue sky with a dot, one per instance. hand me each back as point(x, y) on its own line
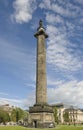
point(63, 20)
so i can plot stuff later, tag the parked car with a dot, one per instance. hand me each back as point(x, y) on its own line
point(51, 125)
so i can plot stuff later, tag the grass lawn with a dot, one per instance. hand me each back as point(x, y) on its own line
point(56, 128)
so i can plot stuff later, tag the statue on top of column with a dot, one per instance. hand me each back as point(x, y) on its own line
point(40, 23)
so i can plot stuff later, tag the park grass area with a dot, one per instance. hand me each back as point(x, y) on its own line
point(56, 128)
point(12, 128)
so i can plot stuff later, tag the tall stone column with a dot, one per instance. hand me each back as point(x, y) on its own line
point(41, 113)
point(41, 81)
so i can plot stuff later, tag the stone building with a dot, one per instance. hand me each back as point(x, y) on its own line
point(75, 114)
point(80, 116)
point(7, 108)
point(60, 111)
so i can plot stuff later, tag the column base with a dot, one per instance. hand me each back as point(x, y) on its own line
point(41, 116)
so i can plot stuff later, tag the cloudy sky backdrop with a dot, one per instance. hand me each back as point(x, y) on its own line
point(63, 20)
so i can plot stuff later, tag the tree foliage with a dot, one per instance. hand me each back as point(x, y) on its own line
point(17, 114)
point(4, 116)
point(66, 116)
point(56, 115)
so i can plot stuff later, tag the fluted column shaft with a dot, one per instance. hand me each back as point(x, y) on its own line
point(41, 82)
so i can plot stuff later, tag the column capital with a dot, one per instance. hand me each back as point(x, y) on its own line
point(40, 30)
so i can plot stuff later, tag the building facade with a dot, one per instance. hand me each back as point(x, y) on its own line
point(75, 115)
point(7, 108)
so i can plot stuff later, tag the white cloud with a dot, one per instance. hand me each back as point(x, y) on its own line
point(12, 102)
point(45, 4)
point(81, 21)
point(30, 101)
point(70, 92)
point(53, 83)
point(23, 10)
point(79, 1)
point(53, 19)
point(58, 51)
point(63, 8)
point(15, 101)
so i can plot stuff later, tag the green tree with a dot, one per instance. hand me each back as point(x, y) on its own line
point(4, 116)
point(66, 116)
point(56, 115)
point(13, 115)
point(17, 114)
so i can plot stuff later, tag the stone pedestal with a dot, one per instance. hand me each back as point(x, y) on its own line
point(41, 116)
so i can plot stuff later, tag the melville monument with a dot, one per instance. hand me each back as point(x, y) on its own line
point(41, 113)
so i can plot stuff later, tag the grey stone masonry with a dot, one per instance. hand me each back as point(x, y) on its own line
point(41, 81)
point(41, 114)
